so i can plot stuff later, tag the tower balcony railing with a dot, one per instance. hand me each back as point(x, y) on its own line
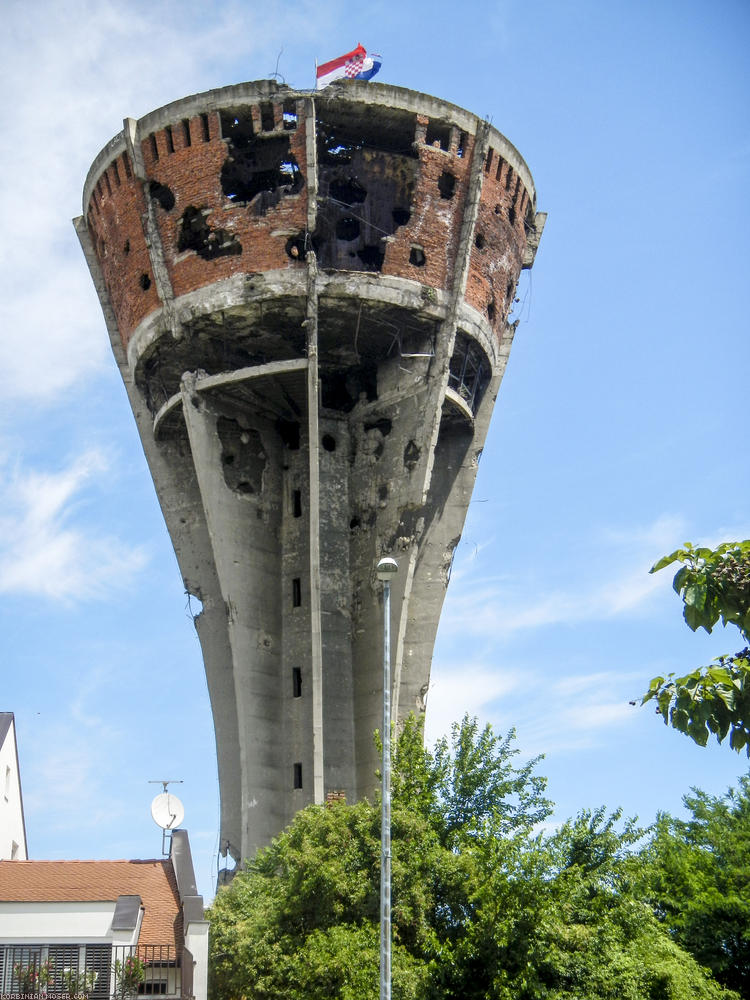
point(95, 971)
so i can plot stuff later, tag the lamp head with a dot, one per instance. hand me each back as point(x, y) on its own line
point(387, 569)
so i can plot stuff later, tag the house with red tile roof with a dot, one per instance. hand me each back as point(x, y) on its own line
point(121, 929)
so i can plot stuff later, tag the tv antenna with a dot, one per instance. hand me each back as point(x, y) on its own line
point(167, 812)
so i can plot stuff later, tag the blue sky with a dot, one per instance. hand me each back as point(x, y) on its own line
point(619, 433)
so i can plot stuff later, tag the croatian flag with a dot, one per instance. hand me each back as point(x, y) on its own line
point(355, 65)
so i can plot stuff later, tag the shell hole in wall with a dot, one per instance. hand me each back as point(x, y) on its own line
point(161, 194)
point(347, 228)
point(417, 257)
point(145, 282)
point(438, 136)
point(242, 456)
point(411, 455)
point(446, 184)
point(196, 234)
point(259, 166)
point(479, 241)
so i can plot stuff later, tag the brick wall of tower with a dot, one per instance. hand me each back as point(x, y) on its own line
point(499, 239)
point(183, 165)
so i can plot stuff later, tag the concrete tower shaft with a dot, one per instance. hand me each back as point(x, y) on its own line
point(307, 296)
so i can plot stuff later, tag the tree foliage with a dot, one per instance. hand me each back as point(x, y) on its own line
point(484, 906)
point(715, 586)
point(697, 875)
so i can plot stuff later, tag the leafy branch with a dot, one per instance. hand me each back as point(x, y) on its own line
point(715, 586)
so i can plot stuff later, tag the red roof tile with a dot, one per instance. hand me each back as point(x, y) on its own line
point(101, 881)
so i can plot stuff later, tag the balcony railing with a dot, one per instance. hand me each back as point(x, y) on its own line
point(96, 971)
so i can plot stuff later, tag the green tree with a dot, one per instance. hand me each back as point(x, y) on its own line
point(483, 905)
point(715, 586)
point(698, 878)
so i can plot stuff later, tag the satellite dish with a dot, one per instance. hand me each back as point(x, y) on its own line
point(167, 810)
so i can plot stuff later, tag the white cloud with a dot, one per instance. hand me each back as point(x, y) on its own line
point(66, 97)
point(42, 553)
point(474, 687)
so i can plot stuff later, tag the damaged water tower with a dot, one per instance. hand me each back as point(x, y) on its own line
point(307, 295)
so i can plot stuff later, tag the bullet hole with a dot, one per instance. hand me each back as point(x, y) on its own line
point(242, 457)
point(126, 248)
point(354, 523)
point(512, 215)
point(196, 234)
point(349, 191)
point(411, 455)
point(145, 282)
point(417, 257)
point(328, 442)
point(289, 433)
point(439, 136)
point(372, 257)
point(446, 184)
point(266, 116)
point(400, 216)
point(161, 194)
point(347, 228)
point(382, 492)
point(479, 242)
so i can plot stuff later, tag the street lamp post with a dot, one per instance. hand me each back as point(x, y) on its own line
point(386, 570)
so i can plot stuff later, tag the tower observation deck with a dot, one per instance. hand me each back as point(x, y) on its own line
point(307, 295)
